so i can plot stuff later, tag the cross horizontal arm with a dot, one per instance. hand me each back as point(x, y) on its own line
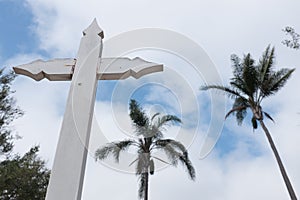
point(110, 69)
point(122, 68)
point(53, 70)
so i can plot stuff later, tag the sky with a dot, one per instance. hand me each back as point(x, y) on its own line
point(194, 41)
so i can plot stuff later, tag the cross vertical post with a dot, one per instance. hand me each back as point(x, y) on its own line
point(71, 153)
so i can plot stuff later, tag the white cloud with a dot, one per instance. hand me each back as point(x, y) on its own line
point(43, 105)
point(22, 59)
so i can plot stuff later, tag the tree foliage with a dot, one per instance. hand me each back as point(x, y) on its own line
point(295, 37)
point(8, 111)
point(24, 177)
point(251, 84)
point(150, 139)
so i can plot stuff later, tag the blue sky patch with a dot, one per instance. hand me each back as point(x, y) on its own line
point(16, 29)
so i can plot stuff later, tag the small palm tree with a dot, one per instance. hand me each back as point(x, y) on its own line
point(250, 85)
point(149, 131)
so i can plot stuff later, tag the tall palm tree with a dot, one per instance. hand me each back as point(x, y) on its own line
point(250, 85)
point(150, 139)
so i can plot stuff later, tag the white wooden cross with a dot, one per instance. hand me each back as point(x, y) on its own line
point(67, 174)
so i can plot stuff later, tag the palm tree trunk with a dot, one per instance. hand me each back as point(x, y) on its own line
point(280, 164)
point(146, 186)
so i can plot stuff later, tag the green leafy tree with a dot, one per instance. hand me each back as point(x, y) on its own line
point(250, 85)
point(150, 134)
point(295, 37)
point(20, 177)
point(8, 112)
point(24, 177)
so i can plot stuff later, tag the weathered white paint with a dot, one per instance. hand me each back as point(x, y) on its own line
point(67, 174)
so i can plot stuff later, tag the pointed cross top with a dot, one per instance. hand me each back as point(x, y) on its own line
point(94, 29)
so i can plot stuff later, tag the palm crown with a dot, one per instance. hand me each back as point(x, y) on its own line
point(251, 83)
point(150, 138)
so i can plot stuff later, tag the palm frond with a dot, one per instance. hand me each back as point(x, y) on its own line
point(188, 164)
point(175, 144)
point(113, 148)
point(156, 127)
point(244, 74)
point(239, 84)
point(137, 114)
point(240, 116)
point(145, 131)
point(161, 160)
point(145, 126)
point(236, 65)
point(228, 91)
point(266, 64)
point(164, 120)
point(249, 76)
point(172, 154)
point(235, 109)
point(171, 148)
point(268, 116)
point(280, 79)
point(239, 107)
point(155, 115)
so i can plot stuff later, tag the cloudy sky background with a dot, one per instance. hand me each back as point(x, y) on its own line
point(241, 166)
